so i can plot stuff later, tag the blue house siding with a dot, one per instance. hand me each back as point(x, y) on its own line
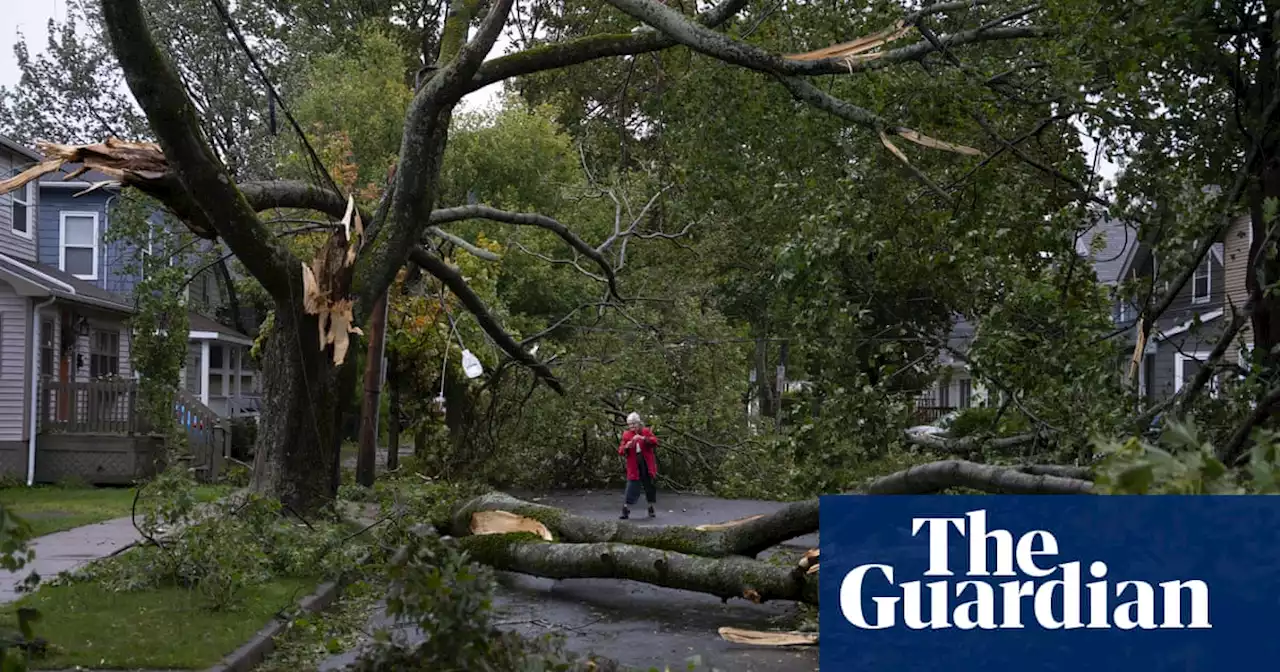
point(114, 259)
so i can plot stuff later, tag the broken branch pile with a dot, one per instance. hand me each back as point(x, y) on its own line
point(514, 535)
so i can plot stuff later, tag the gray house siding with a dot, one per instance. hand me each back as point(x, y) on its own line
point(14, 313)
point(117, 261)
point(12, 244)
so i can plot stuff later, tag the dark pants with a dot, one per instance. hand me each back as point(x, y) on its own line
point(646, 482)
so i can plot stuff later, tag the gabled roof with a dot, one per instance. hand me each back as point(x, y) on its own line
point(1119, 243)
point(33, 279)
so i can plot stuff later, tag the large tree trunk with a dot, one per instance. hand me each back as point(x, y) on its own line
point(723, 577)
point(300, 433)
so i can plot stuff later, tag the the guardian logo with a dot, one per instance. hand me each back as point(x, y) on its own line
point(987, 604)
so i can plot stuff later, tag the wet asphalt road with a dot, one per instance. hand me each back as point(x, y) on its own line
point(637, 624)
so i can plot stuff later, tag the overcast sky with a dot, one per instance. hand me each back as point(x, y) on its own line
point(30, 18)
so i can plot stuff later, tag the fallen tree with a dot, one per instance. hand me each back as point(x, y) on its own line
point(717, 559)
point(723, 577)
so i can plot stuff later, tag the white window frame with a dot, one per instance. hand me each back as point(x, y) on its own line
point(1201, 356)
point(62, 242)
point(28, 198)
point(1204, 270)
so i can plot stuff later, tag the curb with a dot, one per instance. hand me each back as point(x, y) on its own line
point(253, 652)
point(261, 645)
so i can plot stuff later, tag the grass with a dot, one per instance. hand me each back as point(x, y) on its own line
point(168, 628)
point(51, 509)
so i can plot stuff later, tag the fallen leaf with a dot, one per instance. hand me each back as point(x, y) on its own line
point(505, 522)
point(760, 638)
point(752, 594)
point(710, 527)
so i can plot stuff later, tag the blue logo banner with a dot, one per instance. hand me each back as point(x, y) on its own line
point(1048, 583)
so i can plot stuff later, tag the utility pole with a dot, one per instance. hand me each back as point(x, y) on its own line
point(367, 457)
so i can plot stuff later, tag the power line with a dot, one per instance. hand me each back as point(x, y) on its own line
point(318, 165)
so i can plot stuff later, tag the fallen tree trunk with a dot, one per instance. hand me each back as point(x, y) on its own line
point(751, 536)
point(707, 558)
point(747, 537)
point(723, 577)
point(937, 476)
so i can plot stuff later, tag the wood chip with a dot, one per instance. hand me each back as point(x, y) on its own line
point(505, 522)
point(711, 527)
point(761, 638)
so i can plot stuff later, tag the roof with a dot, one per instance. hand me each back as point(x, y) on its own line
point(205, 329)
point(33, 279)
point(1119, 241)
point(56, 179)
point(20, 148)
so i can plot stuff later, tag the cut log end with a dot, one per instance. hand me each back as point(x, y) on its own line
point(504, 522)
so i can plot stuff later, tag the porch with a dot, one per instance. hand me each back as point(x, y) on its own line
point(219, 372)
point(93, 430)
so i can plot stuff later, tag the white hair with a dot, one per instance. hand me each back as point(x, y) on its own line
point(634, 419)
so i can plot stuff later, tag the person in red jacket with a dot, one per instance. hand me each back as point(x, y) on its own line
point(638, 444)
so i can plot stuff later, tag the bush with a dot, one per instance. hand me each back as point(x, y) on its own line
point(220, 549)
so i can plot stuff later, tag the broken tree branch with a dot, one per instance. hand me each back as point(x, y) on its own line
point(460, 213)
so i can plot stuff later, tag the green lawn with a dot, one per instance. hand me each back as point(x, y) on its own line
point(53, 508)
point(169, 628)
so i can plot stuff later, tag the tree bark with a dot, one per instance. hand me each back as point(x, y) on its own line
point(366, 459)
point(723, 577)
point(299, 437)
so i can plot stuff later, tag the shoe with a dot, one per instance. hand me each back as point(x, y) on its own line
point(626, 513)
point(651, 513)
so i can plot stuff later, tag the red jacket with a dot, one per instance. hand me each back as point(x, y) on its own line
point(648, 442)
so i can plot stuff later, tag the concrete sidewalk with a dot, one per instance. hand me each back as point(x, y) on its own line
point(69, 549)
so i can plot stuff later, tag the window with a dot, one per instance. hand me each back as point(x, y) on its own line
point(944, 396)
point(1185, 368)
point(966, 393)
point(215, 356)
point(24, 212)
point(104, 353)
point(46, 348)
point(1202, 281)
point(78, 252)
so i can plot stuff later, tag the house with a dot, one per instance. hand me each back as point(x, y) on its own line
point(66, 406)
point(956, 388)
point(1181, 339)
point(74, 223)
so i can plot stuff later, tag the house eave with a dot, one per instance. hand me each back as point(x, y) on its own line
point(218, 336)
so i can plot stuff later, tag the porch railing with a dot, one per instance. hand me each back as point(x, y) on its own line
point(208, 435)
point(90, 407)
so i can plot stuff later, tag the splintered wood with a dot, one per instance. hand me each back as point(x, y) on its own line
point(712, 527)
point(325, 284)
point(859, 50)
point(505, 522)
point(130, 163)
point(760, 638)
point(809, 563)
